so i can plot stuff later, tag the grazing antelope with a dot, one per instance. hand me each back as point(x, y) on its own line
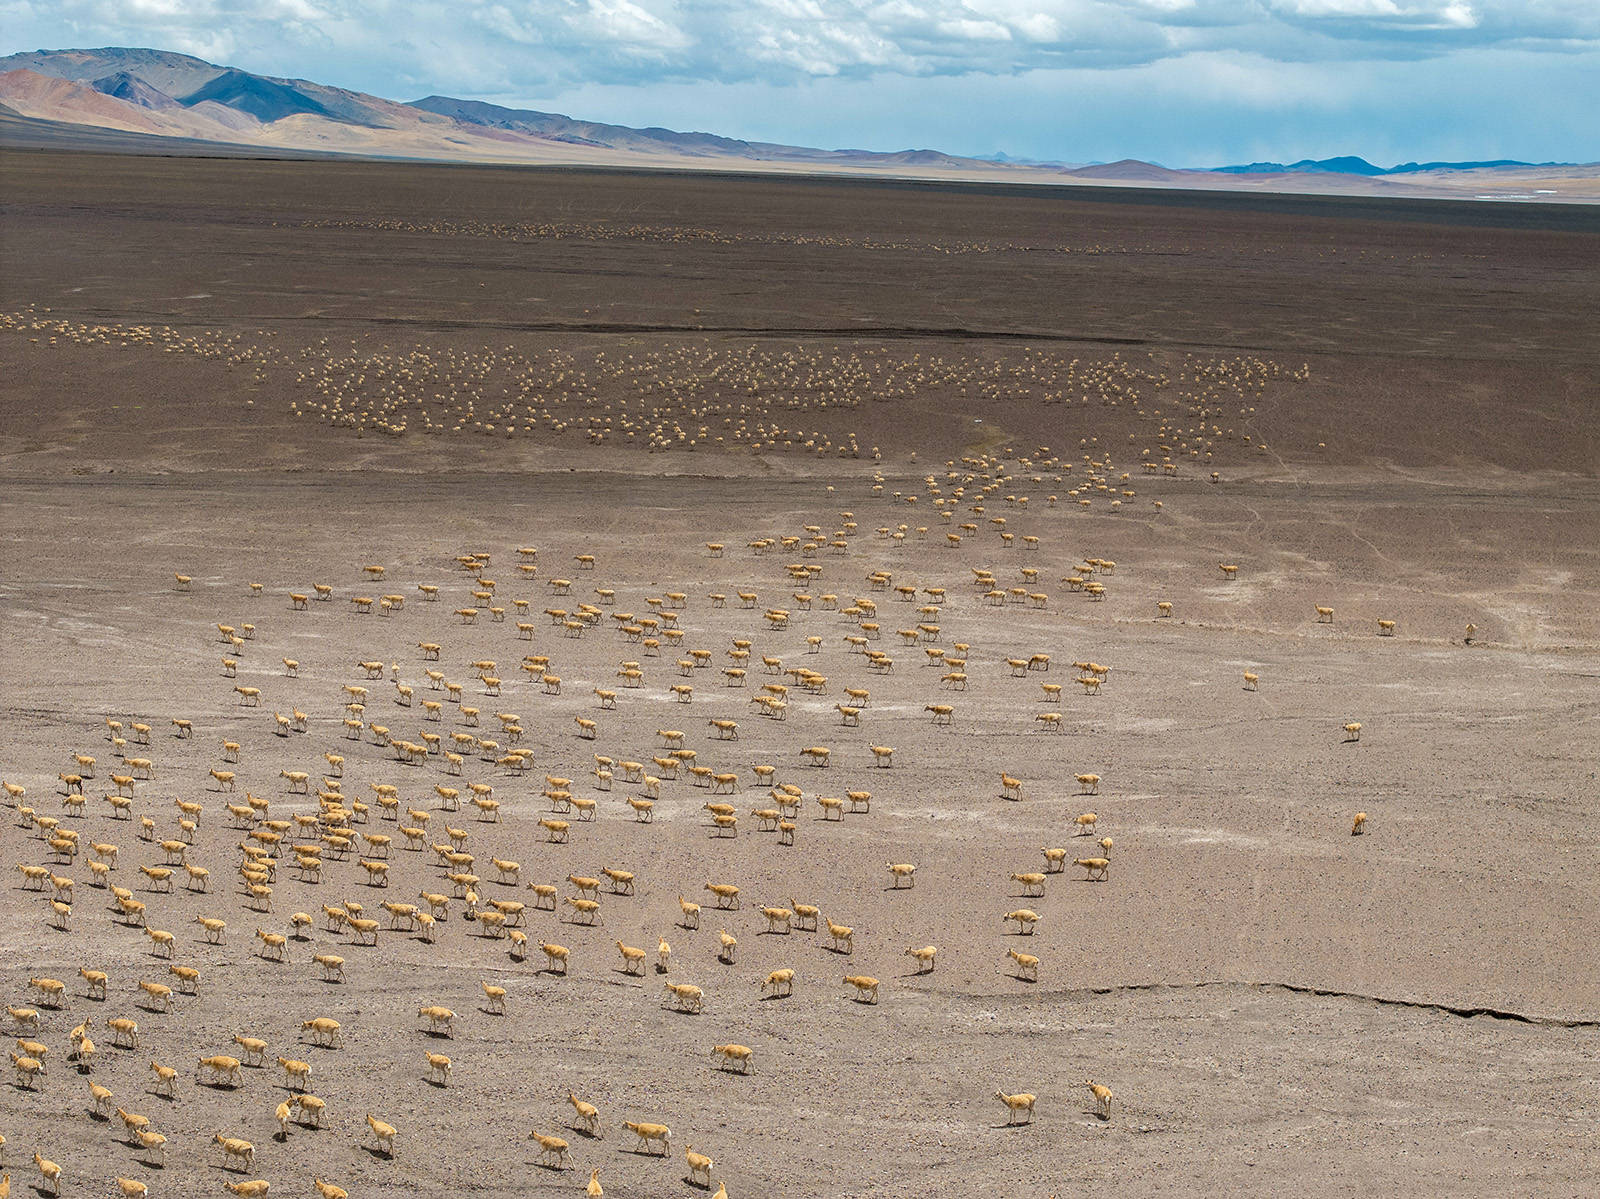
point(1032, 883)
point(324, 1031)
point(49, 1171)
point(441, 1020)
point(1102, 1098)
point(1096, 868)
point(1019, 1103)
point(866, 987)
point(685, 997)
point(843, 937)
point(384, 1133)
point(28, 1070)
point(1027, 965)
point(275, 944)
point(236, 1152)
point(700, 1166)
point(95, 980)
point(650, 1135)
point(726, 894)
point(222, 1068)
point(552, 1149)
point(1026, 918)
point(621, 880)
point(297, 1074)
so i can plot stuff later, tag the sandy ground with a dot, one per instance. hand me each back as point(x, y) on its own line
point(1274, 1002)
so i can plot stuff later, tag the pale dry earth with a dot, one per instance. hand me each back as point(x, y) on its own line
point(1275, 1003)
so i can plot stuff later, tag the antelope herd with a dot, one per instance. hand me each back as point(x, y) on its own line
point(676, 400)
point(467, 872)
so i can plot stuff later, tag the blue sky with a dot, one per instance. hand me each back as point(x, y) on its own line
point(1182, 82)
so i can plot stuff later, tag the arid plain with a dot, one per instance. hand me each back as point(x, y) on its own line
point(281, 373)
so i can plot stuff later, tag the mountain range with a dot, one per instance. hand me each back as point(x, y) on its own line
point(1351, 165)
point(157, 101)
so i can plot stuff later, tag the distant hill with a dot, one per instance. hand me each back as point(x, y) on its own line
point(44, 96)
point(197, 99)
point(264, 99)
point(124, 85)
point(593, 133)
point(1408, 168)
point(655, 139)
point(1130, 170)
point(173, 74)
point(1351, 165)
point(18, 132)
point(1348, 165)
point(159, 101)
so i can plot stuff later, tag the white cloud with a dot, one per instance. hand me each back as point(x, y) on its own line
point(913, 68)
point(499, 19)
point(164, 10)
point(1038, 27)
point(623, 25)
point(1403, 15)
point(1202, 109)
point(786, 40)
point(965, 29)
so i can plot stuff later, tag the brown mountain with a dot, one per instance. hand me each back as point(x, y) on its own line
point(187, 101)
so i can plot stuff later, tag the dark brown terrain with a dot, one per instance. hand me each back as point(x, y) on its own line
point(279, 372)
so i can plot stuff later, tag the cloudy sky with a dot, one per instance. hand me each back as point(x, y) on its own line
point(1182, 82)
